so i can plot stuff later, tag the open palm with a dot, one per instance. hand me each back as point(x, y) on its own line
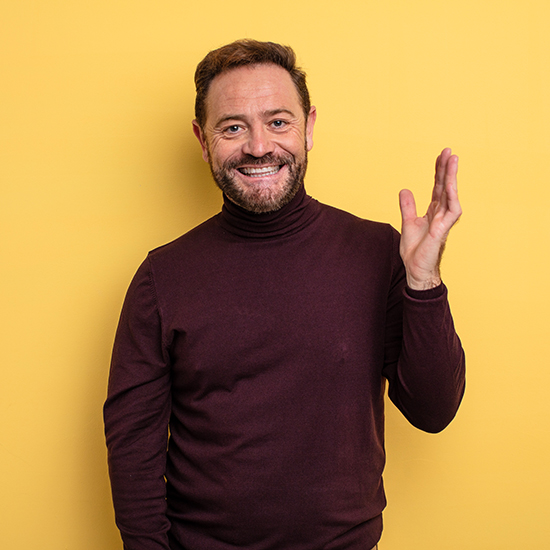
point(423, 238)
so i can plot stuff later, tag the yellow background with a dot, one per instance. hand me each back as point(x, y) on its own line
point(98, 165)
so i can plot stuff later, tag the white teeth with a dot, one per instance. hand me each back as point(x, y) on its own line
point(259, 172)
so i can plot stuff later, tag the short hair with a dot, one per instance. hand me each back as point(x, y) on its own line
point(241, 53)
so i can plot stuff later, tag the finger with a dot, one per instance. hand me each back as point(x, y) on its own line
point(450, 181)
point(407, 205)
point(451, 185)
point(440, 172)
point(451, 173)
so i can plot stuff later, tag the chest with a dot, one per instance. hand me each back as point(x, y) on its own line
point(270, 310)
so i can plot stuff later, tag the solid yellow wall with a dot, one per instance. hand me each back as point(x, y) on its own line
point(98, 165)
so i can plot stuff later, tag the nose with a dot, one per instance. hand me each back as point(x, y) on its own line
point(258, 142)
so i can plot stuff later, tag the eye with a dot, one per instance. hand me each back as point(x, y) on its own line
point(278, 124)
point(233, 129)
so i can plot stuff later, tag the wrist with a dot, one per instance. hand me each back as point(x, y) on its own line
point(424, 283)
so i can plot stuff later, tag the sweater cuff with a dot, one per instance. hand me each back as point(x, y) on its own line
point(430, 294)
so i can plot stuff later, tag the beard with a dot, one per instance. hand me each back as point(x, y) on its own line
point(261, 198)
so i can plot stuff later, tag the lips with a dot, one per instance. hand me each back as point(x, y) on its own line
point(259, 172)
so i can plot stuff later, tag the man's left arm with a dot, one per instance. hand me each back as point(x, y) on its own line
point(428, 381)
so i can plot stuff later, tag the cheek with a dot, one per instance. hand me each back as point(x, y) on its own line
point(296, 138)
point(295, 144)
point(219, 151)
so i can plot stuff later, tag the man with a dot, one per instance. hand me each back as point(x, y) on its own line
point(246, 395)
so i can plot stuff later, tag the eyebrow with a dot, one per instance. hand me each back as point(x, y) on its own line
point(267, 114)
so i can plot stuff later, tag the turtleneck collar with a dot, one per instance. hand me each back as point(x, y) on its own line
point(292, 217)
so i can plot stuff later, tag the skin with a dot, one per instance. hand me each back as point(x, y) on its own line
point(423, 238)
point(255, 120)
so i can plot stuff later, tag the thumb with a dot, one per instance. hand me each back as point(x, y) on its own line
point(407, 205)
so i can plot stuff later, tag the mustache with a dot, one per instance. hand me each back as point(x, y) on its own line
point(249, 160)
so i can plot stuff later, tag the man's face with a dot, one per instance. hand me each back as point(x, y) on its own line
point(256, 137)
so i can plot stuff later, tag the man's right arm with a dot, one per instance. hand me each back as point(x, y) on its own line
point(136, 416)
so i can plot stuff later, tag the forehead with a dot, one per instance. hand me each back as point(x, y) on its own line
point(252, 88)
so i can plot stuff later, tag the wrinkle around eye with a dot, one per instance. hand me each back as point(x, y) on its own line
point(286, 126)
point(233, 129)
point(228, 133)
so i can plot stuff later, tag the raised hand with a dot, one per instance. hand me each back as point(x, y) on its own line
point(423, 238)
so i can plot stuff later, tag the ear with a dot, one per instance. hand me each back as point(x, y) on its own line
point(202, 140)
point(312, 117)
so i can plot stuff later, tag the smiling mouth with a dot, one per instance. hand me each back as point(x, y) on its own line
point(259, 172)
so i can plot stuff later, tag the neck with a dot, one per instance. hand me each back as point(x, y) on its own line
point(287, 219)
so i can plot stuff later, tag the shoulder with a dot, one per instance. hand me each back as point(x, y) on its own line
point(350, 226)
point(196, 239)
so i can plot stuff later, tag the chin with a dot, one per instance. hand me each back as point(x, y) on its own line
point(259, 196)
point(259, 199)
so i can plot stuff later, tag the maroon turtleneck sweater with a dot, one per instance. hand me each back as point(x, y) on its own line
point(262, 344)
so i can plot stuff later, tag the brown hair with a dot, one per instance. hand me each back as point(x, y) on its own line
point(241, 53)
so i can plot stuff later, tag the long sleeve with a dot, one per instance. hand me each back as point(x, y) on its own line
point(427, 373)
point(431, 367)
point(136, 419)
